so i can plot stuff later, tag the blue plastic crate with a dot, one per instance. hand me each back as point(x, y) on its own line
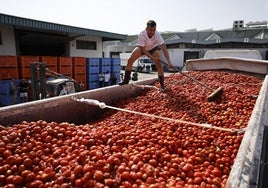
point(92, 77)
point(116, 61)
point(1, 87)
point(93, 69)
point(6, 100)
point(105, 62)
point(93, 61)
point(118, 77)
point(92, 66)
point(104, 69)
point(115, 68)
point(93, 85)
point(5, 86)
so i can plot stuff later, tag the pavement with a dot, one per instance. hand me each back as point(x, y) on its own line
point(145, 76)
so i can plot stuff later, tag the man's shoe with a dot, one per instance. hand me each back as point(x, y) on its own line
point(126, 78)
point(163, 89)
point(124, 82)
point(161, 81)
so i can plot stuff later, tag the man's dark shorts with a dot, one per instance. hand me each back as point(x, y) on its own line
point(154, 49)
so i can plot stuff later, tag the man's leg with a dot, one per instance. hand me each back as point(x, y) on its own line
point(126, 77)
point(160, 70)
point(161, 81)
point(13, 97)
point(26, 97)
point(21, 97)
point(135, 55)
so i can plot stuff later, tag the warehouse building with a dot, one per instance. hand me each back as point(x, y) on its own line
point(67, 49)
point(72, 53)
point(23, 37)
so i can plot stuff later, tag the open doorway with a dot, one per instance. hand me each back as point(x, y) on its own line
point(34, 43)
point(190, 55)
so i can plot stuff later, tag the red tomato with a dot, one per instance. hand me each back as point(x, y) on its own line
point(187, 167)
point(98, 175)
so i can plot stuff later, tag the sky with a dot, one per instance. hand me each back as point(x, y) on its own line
point(130, 16)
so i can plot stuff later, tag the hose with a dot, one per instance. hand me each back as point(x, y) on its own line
point(102, 105)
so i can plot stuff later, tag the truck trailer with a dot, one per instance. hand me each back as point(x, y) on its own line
point(104, 124)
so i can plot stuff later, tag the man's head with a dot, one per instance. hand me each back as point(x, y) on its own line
point(151, 23)
point(151, 28)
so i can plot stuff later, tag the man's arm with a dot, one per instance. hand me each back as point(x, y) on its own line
point(166, 54)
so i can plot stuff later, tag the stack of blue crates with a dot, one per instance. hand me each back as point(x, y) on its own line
point(115, 68)
point(5, 96)
point(96, 66)
point(105, 65)
point(93, 70)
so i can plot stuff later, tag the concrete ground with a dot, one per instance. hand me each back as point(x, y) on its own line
point(144, 76)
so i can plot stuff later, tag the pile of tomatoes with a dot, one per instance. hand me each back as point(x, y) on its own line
point(128, 150)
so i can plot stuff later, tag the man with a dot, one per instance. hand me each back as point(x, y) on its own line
point(113, 78)
point(101, 79)
point(24, 85)
point(107, 77)
point(150, 42)
point(63, 90)
point(13, 91)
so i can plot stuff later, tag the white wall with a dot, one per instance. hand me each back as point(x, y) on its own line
point(176, 56)
point(86, 53)
point(116, 48)
point(8, 46)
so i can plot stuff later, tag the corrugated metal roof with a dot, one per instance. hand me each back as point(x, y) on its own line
point(226, 36)
point(241, 40)
point(199, 37)
point(53, 27)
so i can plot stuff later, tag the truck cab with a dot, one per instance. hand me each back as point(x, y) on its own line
point(142, 64)
point(55, 86)
point(47, 83)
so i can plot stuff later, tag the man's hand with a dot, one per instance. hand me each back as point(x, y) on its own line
point(171, 66)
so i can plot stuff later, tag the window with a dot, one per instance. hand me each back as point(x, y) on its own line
point(1, 39)
point(86, 45)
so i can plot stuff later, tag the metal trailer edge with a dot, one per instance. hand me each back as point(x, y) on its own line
point(246, 168)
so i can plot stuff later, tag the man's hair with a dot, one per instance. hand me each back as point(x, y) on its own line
point(151, 23)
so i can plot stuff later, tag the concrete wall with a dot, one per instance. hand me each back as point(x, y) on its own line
point(86, 53)
point(8, 46)
point(107, 50)
point(176, 56)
